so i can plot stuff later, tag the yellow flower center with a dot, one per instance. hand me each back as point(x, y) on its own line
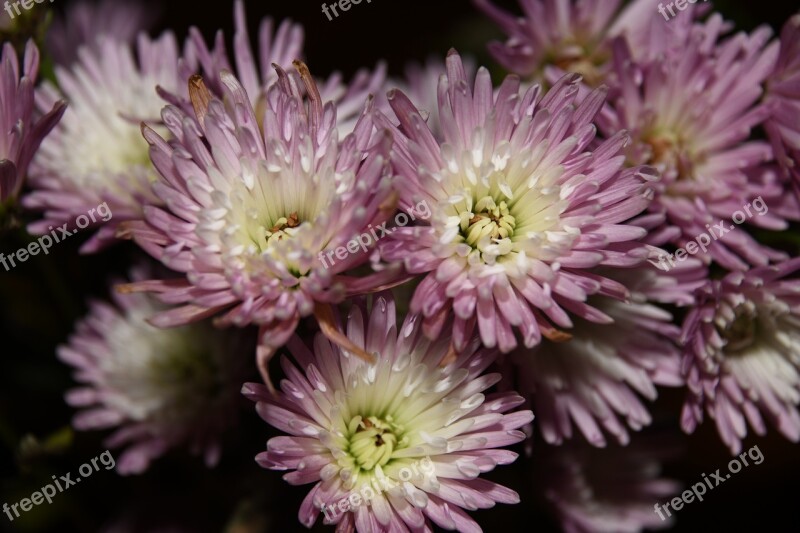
point(373, 441)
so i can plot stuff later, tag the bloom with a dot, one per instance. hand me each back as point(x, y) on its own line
point(596, 379)
point(690, 113)
point(352, 425)
point(521, 209)
point(97, 153)
point(610, 490)
point(256, 209)
point(21, 133)
point(783, 94)
point(160, 389)
point(575, 36)
point(84, 23)
point(741, 354)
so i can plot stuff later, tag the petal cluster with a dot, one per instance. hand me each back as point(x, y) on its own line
point(741, 354)
point(523, 205)
point(256, 205)
point(597, 379)
point(690, 112)
point(158, 389)
point(352, 425)
point(22, 130)
point(97, 154)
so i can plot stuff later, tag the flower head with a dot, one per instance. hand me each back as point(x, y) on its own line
point(413, 433)
point(613, 489)
point(576, 36)
point(690, 113)
point(160, 389)
point(596, 380)
point(521, 208)
point(97, 153)
point(741, 354)
point(259, 209)
point(21, 131)
point(85, 22)
point(783, 93)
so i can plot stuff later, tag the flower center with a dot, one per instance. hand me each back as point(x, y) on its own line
point(670, 150)
point(372, 441)
point(580, 54)
point(742, 332)
point(282, 228)
point(490, 228)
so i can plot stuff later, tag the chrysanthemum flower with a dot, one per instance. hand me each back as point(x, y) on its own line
point(598, 379)
point(282, 46)
point(690, 114)
point(159, 389)
point(21, 131)
point(521, 208)
point(259, 212)
point(783, 94)
point(575, 36)
point(405, 436)
point(97, 153)
point(84, 23)
point(610, 490)
point(741, 354)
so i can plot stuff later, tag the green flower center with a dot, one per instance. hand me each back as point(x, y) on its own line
point(491, 224)
point(373, 441)
point(742, 332)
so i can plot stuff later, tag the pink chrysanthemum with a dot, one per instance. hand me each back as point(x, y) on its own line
point(575, 36)
point(256, 73)
point(257, 206)
point(97, 153)
point(159, 389)
point(85, 22)
point(597, 379)
point(690, 113)
point(741, 354)
point(610, 490)
point(414, 433)
point(783, 94)
point(521, 208)
point(21, 131)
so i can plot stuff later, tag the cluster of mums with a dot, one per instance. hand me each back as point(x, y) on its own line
point(615, 138)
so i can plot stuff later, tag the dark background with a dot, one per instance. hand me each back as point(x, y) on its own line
point(40, 301)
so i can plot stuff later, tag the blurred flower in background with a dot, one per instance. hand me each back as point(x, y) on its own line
point(157, 388)
point(22, 129)
point(97, 153)
point(85, 24)
point(741, 359)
